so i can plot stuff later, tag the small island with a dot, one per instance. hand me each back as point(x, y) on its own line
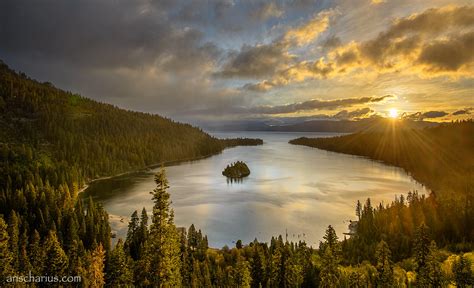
point(236, 170)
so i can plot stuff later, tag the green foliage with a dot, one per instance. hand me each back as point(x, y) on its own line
point(329, 270)
point(119, 272)
point(6, 258)
point(93, 271)
point(163, 245)
point(55, 261)
point(330, 250)
point(242, 276)
point(463, 275)
point(384, 265)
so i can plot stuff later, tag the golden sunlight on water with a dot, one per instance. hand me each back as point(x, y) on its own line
point(302, 197)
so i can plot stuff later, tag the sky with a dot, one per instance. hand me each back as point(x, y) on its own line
point(205, 61)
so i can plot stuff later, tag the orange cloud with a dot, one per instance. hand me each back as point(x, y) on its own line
point(436, 42)
point(309, 31)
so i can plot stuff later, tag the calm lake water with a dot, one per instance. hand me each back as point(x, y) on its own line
point(291, 188)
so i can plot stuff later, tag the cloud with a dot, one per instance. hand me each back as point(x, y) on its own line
point(464, 111)
point(331, 42)
point(101, 35)
point(314, 104)
point(436, 42)
point(354, 114)
point(266, 11)
point(310, 30)
point(420, 116)
point(421, 37)
point(164, 56)
point(129, 53)
point(256, 61)
point(448, 55)
point(267, 59)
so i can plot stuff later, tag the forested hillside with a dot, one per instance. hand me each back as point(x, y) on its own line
point(51, 143)
point(441, 157)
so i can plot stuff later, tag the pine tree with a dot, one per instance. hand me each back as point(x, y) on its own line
point(196, 276)
point(435, 275)
point(14, 240)
point(206, 274)
point(358, 209)
point(276, 265)
point(141, 275)
point(257, 266)
point(163, 246)
point(142, 230)
point(74, 258)
point(36, 254)
point(93, 271)
point(421, 253)
point(131, 244)
point(242, 278)
point(329, 271)
point(119, 273)
point(238, 244)
point(192, 238)
point(23, 260)
point(56, 262)
point(463, 275)
point(330, 250)
point(6, 258)
point(384, 265)
point(293, 273)
point(331, 242)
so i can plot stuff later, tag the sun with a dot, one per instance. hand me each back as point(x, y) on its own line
point(393, 113)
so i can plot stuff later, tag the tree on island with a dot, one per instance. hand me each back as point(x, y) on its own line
point(236, 170)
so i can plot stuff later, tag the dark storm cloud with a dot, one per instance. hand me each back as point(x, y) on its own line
point(130, 53)
point(100, 34)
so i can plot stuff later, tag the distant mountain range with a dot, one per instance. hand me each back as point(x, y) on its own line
point(347, 126)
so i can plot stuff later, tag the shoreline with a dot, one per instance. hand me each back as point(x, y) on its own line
point(150, 167)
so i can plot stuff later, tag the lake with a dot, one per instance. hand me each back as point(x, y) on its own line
point(292, 189)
